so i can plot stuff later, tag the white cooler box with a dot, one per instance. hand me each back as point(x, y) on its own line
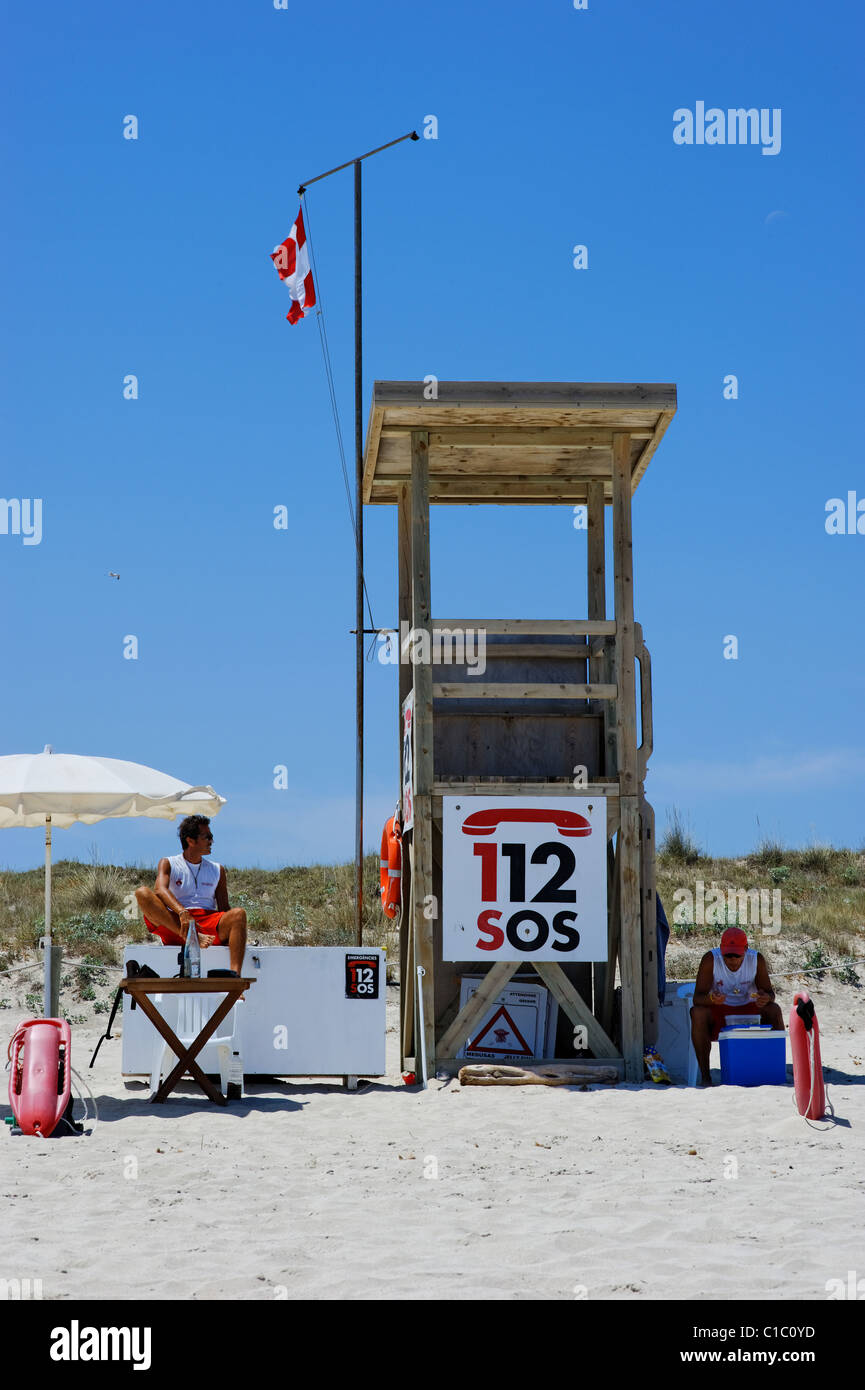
point(674, 1036)
point(313, 1010)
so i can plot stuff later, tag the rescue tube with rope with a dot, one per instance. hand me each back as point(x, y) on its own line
point(40, 1078)
point(390, 866)
point(807, 1067)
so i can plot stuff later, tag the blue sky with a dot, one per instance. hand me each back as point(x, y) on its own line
point(554, 128)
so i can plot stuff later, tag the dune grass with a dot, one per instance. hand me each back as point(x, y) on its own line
point(822, 902)
point(94, 912)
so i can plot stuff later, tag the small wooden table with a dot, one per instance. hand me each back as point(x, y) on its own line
point(139, 989)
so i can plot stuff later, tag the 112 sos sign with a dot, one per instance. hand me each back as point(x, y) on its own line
point(524, 878)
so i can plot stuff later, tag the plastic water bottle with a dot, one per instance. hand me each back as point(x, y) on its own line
point(192, 953)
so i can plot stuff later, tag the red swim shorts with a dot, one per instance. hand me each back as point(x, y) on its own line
point(206, 922)
point(720, 1012)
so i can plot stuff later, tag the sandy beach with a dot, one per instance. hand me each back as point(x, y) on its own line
point(303, 1190)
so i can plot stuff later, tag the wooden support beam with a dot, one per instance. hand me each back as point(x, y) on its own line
point(406, 926)
point(614, 897)
point(422, 866)
point(517, 437)
point(515, 690)
point(649, 922)
point(649, 448)
point(631, 944)
point(404, 615)
point(518, 786)
point(575, 1007)
point(579, 627)
point(596, 590)
point(407, 1005)
point(559, 651)
point(563, 462)
point(474, 1009)
point(470, 490)
point(626, 709)
point(600, 664)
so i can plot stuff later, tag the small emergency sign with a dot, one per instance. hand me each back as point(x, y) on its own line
point(361, 975)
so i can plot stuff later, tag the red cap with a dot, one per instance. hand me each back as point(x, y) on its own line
point(734, 939)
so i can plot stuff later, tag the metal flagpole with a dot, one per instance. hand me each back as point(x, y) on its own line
point(358, 506)
point(358, 512)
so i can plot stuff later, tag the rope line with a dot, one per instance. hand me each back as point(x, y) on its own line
point(328, 369)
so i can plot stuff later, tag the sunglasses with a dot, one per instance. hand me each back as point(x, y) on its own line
point(732, 955)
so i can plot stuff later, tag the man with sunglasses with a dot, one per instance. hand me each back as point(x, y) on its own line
point(731, 980)
point(190, 886)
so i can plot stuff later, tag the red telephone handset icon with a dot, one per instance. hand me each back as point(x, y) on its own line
point(568, 823)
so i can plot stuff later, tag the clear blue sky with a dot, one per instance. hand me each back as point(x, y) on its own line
point(555, 128)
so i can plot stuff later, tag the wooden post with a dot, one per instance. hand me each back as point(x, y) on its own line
point(422, 867)
point(596, 597)
point(630, 946)
point(626, 704)
point(650, 922)
point(460, 1030)
point(406, 945)
point(404, 596)
point(614, 898)
point(407, 978)
point(575, 1007)
point(596, 589)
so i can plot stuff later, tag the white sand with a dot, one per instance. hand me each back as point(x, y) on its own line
point(305, 1190)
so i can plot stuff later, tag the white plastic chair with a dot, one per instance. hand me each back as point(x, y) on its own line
point(687, 992)
point(192, 1013)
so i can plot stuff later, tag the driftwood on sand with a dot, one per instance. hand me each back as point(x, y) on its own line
point(494, 1074)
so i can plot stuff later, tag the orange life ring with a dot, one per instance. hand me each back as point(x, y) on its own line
point(390, 867)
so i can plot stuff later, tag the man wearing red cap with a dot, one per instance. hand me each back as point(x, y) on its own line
point(730, 980)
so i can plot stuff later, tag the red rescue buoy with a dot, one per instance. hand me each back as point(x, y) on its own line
point(40, 1079)
point(390, 867)
point(807, 1067)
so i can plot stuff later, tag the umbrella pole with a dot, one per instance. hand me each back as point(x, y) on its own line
point(51, 990)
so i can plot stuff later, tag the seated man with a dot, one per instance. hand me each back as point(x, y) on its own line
point(188, 886)
point(732, 980)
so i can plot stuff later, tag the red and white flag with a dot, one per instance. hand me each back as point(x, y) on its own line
point(292, 264)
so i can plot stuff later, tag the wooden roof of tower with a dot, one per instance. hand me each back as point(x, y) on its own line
point(511, 441)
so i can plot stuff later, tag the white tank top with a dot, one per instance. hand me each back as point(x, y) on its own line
point(194, 885)
point(736, 985)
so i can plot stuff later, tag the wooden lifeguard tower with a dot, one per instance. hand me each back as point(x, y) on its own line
point(557, 696)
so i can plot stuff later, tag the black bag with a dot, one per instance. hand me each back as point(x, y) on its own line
point(133, 971)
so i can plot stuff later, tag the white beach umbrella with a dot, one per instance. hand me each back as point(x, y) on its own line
point(61, 788)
